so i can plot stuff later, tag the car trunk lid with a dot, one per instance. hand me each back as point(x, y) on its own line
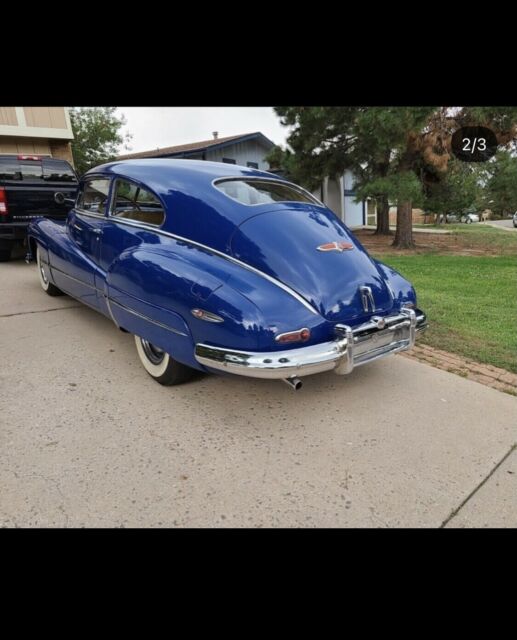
point(311, 251)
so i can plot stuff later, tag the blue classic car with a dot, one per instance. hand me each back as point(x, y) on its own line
point(223, 268)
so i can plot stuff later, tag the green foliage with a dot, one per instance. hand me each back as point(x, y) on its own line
point(501, 188)
point(397, 187)
point(97, 136)
point(379, 143)
point(370, 141)
point(458, 191)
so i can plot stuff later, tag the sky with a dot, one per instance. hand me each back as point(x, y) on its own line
point(154, 127)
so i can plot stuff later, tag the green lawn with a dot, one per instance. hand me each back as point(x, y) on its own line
point(470, 301)
point(479, 236)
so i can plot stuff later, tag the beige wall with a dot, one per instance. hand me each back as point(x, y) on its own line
point(55, 148)
point(24, 145)
point(62, 150)
point(8, 116)
point(36, 122)
point(48, 117)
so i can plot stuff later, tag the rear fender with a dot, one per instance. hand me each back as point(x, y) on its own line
point(166, 286)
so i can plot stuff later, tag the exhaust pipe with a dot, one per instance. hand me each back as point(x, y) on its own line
point(295, 383)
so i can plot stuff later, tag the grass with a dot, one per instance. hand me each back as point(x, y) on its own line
point(470, 301)
point(478, 236)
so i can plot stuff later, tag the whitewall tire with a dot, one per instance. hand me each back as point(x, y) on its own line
point(46, 285)
point(160, 365)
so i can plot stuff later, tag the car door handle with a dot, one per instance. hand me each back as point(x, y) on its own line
point(97, 232)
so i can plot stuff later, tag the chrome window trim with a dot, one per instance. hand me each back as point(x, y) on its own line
point(80, 192)
point(110, 216)
point(294, 186)
point(278, 283)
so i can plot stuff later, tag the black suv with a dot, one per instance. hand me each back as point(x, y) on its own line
point(28, 185)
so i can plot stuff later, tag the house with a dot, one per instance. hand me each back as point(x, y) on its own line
point(247, 149)
point(36, 130)
point(339, 195)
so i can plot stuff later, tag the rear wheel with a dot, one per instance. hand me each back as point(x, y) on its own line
point(46, 285)
point(160, 365)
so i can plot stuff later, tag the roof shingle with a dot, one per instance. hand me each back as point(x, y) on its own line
point(183, 148)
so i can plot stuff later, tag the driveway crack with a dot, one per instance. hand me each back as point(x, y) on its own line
point(478, 487)
point(24, 313)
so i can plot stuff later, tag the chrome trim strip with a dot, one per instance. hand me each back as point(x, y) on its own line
point(143, 317)
point(216, 252)
point(295, 187)
point(106, 298)
point(52, 268)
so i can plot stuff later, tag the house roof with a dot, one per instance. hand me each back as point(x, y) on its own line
point(196, 147)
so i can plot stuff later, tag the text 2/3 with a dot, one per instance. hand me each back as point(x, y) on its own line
point(474, 144)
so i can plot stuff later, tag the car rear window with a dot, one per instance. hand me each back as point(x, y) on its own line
point(46, 169)
point(253, 192)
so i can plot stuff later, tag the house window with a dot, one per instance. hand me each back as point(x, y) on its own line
point(252, 165)
point(229, 160)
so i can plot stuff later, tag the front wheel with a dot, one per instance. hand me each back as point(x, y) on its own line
point(160, 365)
point(46, 285)
point(468, 221)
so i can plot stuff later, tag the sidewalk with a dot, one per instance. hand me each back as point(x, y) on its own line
point(486, 374)
point(392, 227)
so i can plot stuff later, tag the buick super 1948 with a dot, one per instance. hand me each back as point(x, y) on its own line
point(223, 268)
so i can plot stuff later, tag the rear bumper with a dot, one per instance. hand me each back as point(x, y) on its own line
point(13, 230)
point(352, 348)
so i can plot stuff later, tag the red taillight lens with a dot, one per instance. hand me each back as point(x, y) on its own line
point(3, 202)
point(29, 157)
point(302, 335)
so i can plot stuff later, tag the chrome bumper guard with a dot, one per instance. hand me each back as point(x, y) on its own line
point(375, 339)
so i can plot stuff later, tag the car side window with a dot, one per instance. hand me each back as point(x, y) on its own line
point(133, 202)
point(94, 196)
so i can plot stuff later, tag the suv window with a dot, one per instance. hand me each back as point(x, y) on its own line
point(94, 195)
point(135, 203)
point(10, 169)
point(14, 169)
point(48, 169)
point(58, 171)
point(252, 192)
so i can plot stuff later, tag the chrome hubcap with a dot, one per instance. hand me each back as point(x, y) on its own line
point(153, 354)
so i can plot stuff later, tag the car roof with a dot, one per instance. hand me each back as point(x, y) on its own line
point(161, 173)
point(195, 208)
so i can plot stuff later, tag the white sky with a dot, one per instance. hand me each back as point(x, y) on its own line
point(154, 127)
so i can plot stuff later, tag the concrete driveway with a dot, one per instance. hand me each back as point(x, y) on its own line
point(501, 224)
point(88, 439)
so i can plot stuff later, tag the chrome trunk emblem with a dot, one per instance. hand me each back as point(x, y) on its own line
point(367, 298)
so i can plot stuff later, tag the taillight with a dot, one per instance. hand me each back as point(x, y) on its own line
point(302, 335)
point(3, 202)
point(29, 157)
